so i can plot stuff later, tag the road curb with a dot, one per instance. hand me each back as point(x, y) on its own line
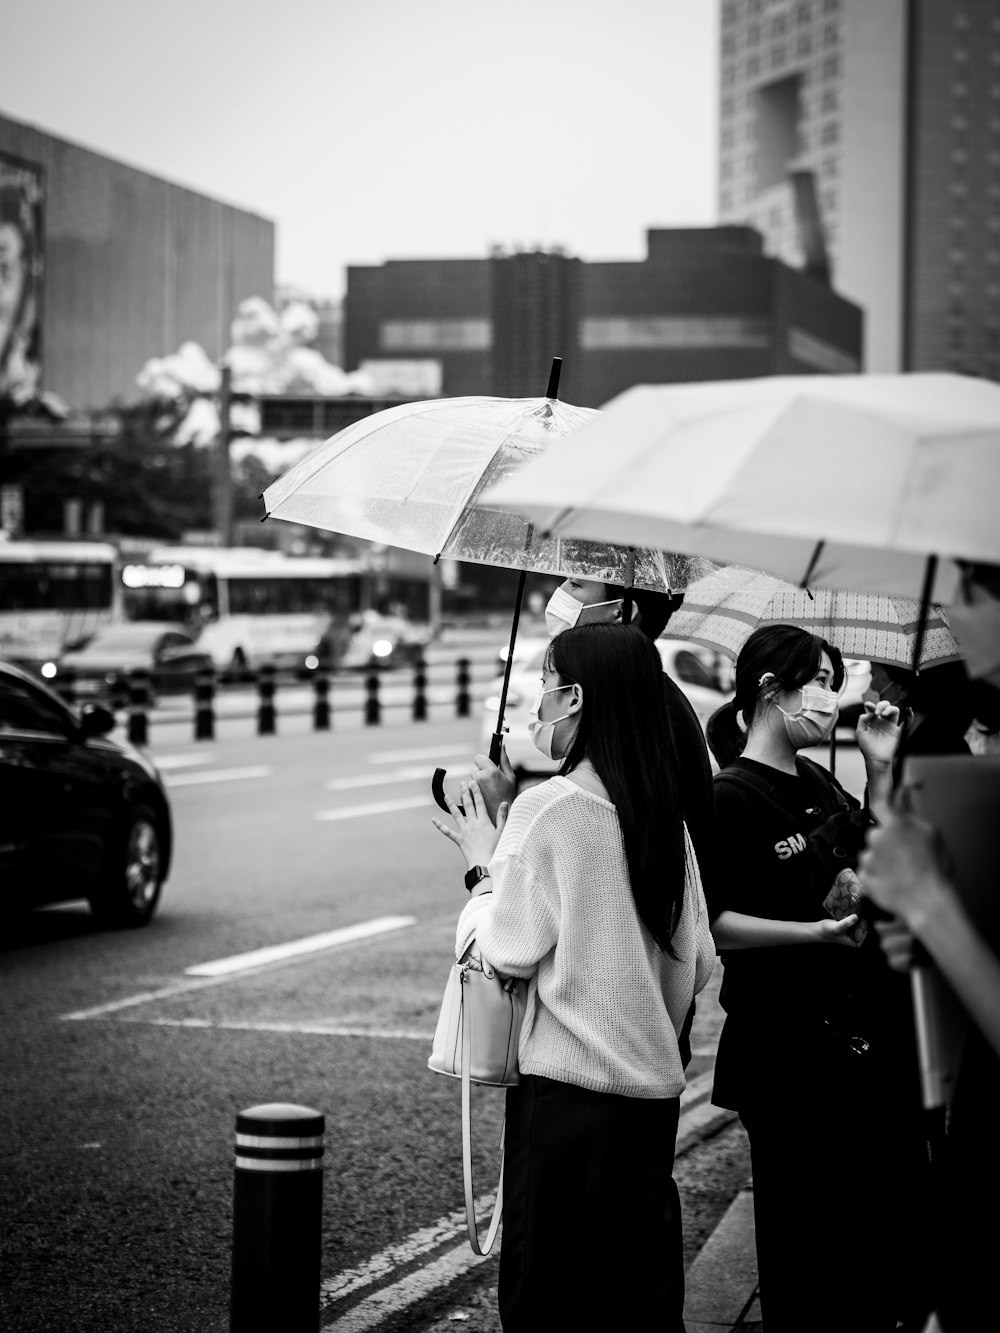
point(721, 1284)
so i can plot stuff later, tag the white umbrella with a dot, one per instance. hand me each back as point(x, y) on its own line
point(847, 481)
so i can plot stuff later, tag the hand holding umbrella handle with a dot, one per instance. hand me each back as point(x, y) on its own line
point(437, 781)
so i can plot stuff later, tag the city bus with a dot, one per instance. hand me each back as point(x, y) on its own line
point(53, 596)
point(251, 607)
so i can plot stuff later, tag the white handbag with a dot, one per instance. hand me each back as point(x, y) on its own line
point(476, 1040)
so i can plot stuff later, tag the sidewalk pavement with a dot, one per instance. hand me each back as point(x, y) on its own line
point(721, 1284)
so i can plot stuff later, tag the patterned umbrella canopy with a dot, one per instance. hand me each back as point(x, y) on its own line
point(723, 609)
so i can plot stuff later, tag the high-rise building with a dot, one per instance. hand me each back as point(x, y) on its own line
point(890, 110)
point(104, 265)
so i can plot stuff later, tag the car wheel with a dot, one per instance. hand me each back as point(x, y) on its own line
point(133, 877)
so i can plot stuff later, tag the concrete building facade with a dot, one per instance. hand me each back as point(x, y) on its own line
point(129, 265)
point(893, 106)
point(706, 303)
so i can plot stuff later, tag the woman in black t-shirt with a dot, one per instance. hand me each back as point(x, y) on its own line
point(817, 1053)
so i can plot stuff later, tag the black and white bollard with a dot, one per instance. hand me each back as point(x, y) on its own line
point(420, 690)
point(277, 1219)
point(373, 706)
point(321, 702)
point(266, 713)
point(138, 707)
point(204, 704)
point(463, 698)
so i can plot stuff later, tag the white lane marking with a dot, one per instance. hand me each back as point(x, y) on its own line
point(273, 953)
point(164, 762)
point(376, 808)
point(400, 756)
point(180, 987)
point(378, 779)
point(218, 775)
point(381, 1265)
point(295, 1029)
point(407, 1291)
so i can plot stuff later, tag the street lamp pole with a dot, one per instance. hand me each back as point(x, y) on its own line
point(223, 473)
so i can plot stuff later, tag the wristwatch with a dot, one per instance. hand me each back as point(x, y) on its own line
point(473, 875)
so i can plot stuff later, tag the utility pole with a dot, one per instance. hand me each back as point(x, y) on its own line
point(223, 472)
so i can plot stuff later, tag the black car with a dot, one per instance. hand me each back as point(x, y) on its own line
point(81, 815)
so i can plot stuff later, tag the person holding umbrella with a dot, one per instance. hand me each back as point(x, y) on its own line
point(817, 1052)
point(590, 889)
point(905, 871)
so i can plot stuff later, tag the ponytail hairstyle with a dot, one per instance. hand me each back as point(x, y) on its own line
point(790, 656)
point(624, 731)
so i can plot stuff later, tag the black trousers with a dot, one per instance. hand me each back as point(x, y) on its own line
point(592, 1226)
point(842, 1215)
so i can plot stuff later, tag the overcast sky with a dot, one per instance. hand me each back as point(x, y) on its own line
point(377, 129)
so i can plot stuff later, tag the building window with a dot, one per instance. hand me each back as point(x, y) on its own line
point(831, 35)
point(778, 25)
point(960, 55)
point(831, 67)
point(831, 6)
point(435, 335)
point(727, 107)
point(802, 14)
point(725, 201)
point(753, 67)
point(830, 132)
point(729, 45)
point(627, 331)
point(753, 34)
point(830, 100)
point(804, 45)
point(777, 56)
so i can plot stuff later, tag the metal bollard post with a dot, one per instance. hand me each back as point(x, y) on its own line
point(265, 709)
point(420, 690)
point(204, 704)
point(66, 685)
point(118, 699)
point(277, 1219)
point(138, 707)
point(462, 698)
point(373, 708)
point(321, 704)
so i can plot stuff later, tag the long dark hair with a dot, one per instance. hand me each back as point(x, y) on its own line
point(785, 652)
point(624, 731)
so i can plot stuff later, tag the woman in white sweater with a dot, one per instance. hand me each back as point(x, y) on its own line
point(590, 889)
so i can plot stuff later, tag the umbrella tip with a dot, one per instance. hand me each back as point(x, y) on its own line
point(553, 389)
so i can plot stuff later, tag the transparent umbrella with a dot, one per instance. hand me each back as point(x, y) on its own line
point(414, 476)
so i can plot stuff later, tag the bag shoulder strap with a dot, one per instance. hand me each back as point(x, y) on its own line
point(828, 796)
point(470, 1201)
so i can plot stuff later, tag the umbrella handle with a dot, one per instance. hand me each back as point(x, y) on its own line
point(437, 789)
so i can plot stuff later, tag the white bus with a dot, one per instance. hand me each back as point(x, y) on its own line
point(54, 595)
point(253, 607)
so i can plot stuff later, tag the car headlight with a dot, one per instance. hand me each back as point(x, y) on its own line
point(311, 662)
point(381, 648)
point(49, 670)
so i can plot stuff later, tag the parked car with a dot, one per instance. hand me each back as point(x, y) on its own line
point(101, 666)
point(701, 673)
point(81, 815)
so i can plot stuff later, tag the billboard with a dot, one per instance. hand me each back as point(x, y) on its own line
point(22, 254)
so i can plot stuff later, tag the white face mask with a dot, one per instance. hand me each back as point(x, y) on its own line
point(977, 629)
point(815, 719)
point(543, 733)
point(564, 611)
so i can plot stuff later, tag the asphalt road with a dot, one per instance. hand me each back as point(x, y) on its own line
point(127, 1055)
